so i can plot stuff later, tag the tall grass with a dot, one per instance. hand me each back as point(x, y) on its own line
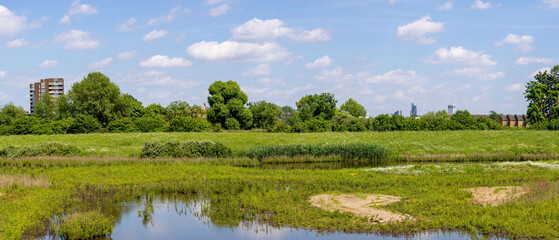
point(346, 151)
point(187, 149)
point(86, 225)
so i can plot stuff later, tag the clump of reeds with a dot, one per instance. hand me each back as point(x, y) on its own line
point(186, 149)
point(43, 149)
point(86, 226)
point(22, 180)
point(346, 151)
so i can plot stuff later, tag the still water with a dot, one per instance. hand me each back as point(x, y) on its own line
point(174, 218)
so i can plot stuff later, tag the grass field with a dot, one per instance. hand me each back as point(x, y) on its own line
point(399, 143)
point(33, 190)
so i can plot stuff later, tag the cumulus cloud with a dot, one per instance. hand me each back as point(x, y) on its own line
point(168, 18)
point(460, 55)
point(159, 79)
point(260, 70)
point(213, 2)
point(76, 10)
point(154, 35)
point(3, 74)
point(529, 60)
point(126, 55)
point(127, 25)
point(239, 51)
point(101, 63)
point(219, 10)
point(165, 62)
point(517, 87)
point(417, 30)
point(11, 23)
point(48, 64)
point(446, 6)
point(17, 43)
point(475, 72)
point(552, 3)
point(541, 70)
point(77, 40)
point(267, 30)
point(524, 42)
point(478, 4)
point(322, 62)
point(397, 77)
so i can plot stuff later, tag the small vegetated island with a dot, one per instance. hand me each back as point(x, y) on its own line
point(78, 153)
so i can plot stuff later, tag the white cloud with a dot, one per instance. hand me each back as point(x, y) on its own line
point(552, 3)
point(260, 70)
point(48, 64)
point(213, 2)
point(475, 72)
point(267, 30)
point(271, 82)
point(529, 60)
point(393, 1)
point(335, 75)
point(517, 87)
point(3, 74)
point(10, 23)
point(77, 9)
point(478, 4)
point(220, 10)
point(397, 77)
point(154, 35)
point(16, 43)
point(101, 63)
point(159, 79)
point(166, 19)
point(538, 71)
point(77, 40)
point(320, 63)
point(126, 55)
point(446, 6)
point(417, 30)
point(38, 23)
point(127, 25)
point(523, 42)
point(165, 62)
point(240, 51)
point(460, 55)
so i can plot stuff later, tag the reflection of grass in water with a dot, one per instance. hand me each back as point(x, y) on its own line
point(496, 191)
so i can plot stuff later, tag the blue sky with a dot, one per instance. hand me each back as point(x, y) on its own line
point(385, 54)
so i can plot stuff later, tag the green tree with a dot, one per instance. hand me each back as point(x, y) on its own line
point(354, 108)
point(64, 107)
point(10, 112)
point(286, 114)
point(177, 109)
point(97, 96)
point(45, 107)
point(227, 105)
point(264, 114)
point(321, 106)
point(542, 95)
point(129, 107)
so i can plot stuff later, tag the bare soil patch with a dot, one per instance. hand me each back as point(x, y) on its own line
point(495, 196)
point(361, 205)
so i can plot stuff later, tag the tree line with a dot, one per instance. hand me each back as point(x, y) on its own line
point(95, 104)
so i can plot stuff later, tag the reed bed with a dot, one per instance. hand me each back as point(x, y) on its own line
point(345, 151)
point(185, 149)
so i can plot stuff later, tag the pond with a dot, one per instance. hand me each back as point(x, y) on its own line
point(186, 217)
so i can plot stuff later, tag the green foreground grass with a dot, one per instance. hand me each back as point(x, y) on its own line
point(399, 143)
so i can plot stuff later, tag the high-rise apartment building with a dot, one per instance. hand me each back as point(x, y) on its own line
point(52, 86)
point(451, 109)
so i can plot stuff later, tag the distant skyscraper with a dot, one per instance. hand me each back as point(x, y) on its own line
point(52, 86)
point(413, 111)
point(399, 113)
point(451, 109)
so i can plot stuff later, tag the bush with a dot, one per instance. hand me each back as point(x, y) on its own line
point(187, 149)
point(86, 225)
point(84, 124)
point(149, 124)
point(188, 124)
point(232, 124)
point(347, 151)
point(122, 125)
point(44, 149)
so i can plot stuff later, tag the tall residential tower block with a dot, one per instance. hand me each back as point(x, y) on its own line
point(52, 86)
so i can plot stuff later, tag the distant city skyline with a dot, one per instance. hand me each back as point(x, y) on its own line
point(385, 54)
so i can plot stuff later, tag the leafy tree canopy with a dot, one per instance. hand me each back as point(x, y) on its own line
point(542, 95)
point(227, 105)
point(264, 114)
point(354, 108)
point(321, 106)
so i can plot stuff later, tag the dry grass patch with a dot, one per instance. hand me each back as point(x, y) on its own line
point(22, 180)
point(361, 205)
point(495, 196)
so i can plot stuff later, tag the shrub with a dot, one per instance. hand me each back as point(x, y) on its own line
point(188, 124)
point(44, 149)
point(86, 225)
point(347, 151)
point(232, 124)
point(149, 124)
point(188, 149)
point(122, 125)
point(84, 124)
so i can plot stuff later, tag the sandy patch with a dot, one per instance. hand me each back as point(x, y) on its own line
point(495, 196)
point(363, 206)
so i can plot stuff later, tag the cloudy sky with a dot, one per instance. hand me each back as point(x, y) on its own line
point(385, 54)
